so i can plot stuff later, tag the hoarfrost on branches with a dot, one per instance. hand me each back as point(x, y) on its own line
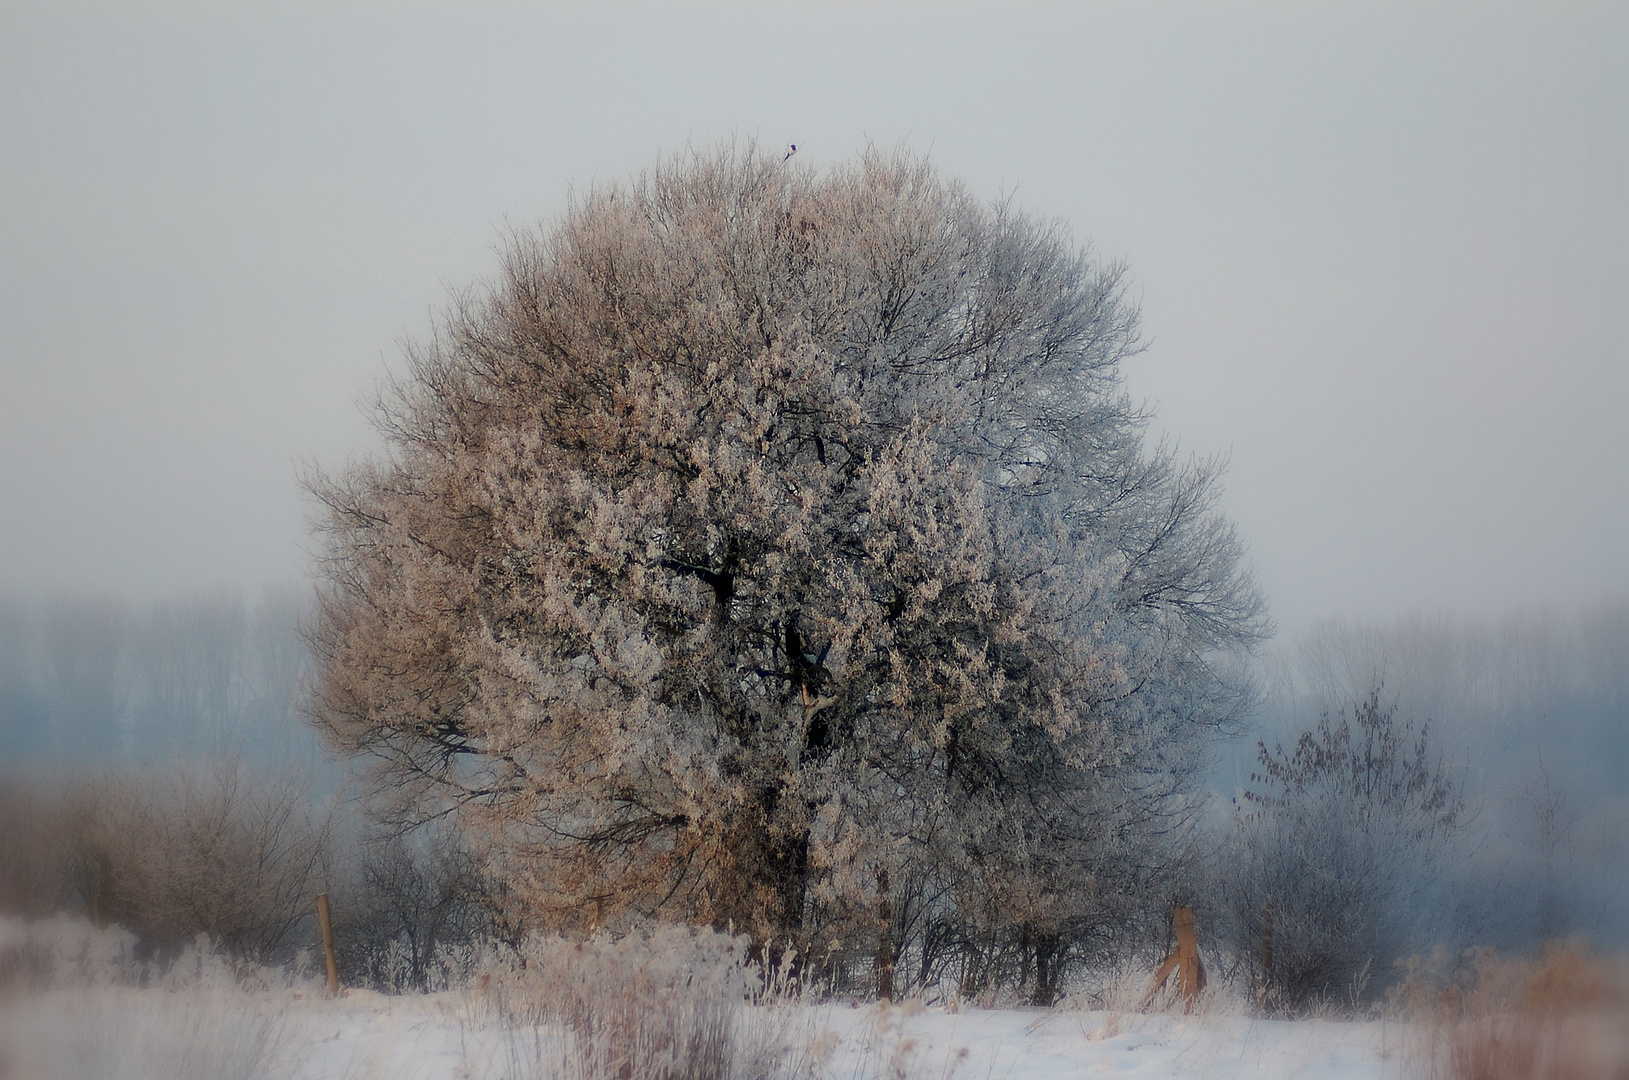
point(780, 548)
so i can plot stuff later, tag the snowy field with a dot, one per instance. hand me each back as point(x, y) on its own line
point(146, 1034)
point(407, 1040)
point(75, 1005)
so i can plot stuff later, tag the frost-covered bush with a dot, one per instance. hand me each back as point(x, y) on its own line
point(65, 951)
point(75, 1002)
point(1327, 877)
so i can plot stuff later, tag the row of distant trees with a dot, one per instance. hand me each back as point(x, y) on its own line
point(1466, 673)
point(202, 674)
point(1362, 831)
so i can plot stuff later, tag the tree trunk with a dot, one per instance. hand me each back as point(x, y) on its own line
point(1048, 953)
point(1264, 991)
point(885, 939)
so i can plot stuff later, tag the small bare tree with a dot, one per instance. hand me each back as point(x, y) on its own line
point(1333, 841)
point(208, 848)
point(211, 850)
point(412, 904)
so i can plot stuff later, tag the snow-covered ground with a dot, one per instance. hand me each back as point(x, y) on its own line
point(75, 1005)
point(124, 1034)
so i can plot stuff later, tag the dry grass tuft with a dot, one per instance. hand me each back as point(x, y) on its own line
point(1561, 1016)
point(673, 1004)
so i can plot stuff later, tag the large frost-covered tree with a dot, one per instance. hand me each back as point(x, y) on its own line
point(780, 547)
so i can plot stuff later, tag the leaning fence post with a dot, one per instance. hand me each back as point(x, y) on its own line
point(1190, 972)
point(1184, 959)
point(327, 925)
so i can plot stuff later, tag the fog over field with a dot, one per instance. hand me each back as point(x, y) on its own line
point(1379, 252)
point(1378, 248)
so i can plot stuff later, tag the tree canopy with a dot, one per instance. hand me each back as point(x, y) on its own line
point(781, 548)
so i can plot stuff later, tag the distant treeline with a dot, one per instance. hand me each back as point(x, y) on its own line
point(1499, 693)
point(206, 674)
point(1528, 716)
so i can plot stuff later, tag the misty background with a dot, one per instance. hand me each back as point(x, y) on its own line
point(1380, 251)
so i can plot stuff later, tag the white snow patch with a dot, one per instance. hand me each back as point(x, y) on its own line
point(113, 1033)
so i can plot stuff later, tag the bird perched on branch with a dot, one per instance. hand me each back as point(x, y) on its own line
point(791, 148)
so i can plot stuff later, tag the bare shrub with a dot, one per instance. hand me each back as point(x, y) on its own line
point(1324, 879)
point(412, 913)
point(213, 851)
point(64, 951)
point(1560, 1016)
point(210, 849)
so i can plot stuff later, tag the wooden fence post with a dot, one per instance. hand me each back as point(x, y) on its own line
point(1184, 960)
point(327, 925)
point(1190, 972)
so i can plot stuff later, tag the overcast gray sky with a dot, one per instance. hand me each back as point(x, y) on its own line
point(1381, 249)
